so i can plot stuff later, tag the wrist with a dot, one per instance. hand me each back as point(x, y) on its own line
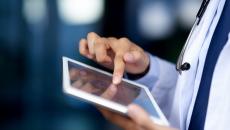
point(138, 76)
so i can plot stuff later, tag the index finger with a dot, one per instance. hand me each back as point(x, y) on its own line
point(119, 68)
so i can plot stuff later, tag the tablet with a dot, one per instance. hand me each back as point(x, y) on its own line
point(89, 84)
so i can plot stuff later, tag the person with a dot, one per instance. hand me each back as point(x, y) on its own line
point(197, 98)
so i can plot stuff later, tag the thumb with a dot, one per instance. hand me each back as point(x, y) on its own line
point(142, 118)
point(139, 116)
point(132, 57)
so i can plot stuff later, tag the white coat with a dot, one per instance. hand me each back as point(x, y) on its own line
point(176, 93)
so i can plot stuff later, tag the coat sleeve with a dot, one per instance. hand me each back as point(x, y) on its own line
point(161, 81)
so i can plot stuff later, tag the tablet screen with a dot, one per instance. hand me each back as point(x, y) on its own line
point(96, 83)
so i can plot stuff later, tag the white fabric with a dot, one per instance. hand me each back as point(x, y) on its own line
point(176, 94)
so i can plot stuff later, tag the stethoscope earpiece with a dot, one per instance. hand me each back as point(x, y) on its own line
point(185, 66)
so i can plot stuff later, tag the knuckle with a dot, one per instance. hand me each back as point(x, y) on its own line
point(101, 59)
point(82, 51)
point(112, 38)
point(124, 43)
point(91, 34)
point(97, 43)
point(138, 55)
point(123, 39)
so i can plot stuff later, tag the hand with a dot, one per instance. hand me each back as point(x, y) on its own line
point(117, 54)
point(139, 119)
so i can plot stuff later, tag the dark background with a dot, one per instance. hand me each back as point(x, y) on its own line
point(31, 49)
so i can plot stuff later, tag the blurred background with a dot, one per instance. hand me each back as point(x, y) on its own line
point(35, 34)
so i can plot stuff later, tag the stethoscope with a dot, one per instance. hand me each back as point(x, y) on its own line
point(180, 66)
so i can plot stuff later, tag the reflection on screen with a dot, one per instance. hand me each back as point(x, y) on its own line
point(96, 83)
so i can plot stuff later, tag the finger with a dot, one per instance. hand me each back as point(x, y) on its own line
point(100, 47)
point(138, 115)
point(110, 92)
point(119, 68)
point(91, 38)
point(125, 123)
point(119, 120)
point(83, 49)
point(133, 57)
point(112, 39)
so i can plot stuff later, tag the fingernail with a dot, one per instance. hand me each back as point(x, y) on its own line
point(132, 111)
point(129, 57)
point(116, 79)
point(90, 56)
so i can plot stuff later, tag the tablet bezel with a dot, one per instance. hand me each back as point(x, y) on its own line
point(116, 107)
